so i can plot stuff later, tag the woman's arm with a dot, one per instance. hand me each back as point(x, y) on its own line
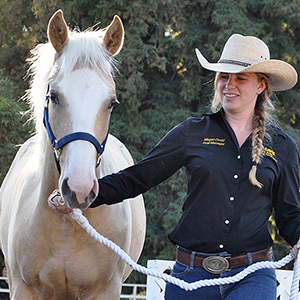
point(162, 162)
point(286, 198)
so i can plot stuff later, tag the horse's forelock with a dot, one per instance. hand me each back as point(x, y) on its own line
point(85, 49)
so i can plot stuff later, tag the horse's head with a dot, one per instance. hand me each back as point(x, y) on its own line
point(80, 100)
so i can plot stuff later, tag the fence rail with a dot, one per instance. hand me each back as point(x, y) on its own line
point(2, 290)
point(136, 289)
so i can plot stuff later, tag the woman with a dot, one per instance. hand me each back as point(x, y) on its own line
point(239, 165)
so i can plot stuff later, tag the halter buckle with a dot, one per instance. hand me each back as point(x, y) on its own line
point(57, 151)
point(47, 103)
point(98, 160)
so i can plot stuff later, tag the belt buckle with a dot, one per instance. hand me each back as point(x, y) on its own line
point(215, 264)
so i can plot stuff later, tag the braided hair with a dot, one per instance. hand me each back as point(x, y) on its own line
point(262, 122)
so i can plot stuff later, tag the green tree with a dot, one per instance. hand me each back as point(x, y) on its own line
point(10, 117)
point(16, 39)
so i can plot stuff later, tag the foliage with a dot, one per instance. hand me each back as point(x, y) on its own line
point(16, 39)
point(159, 80)
point(10, 118)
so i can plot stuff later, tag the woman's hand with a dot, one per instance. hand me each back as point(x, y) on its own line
point(56, 202)
point(295, 250)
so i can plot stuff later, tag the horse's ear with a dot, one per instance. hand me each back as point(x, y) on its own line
point(114, 36)
point(58, 31)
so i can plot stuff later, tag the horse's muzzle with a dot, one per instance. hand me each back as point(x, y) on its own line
point(71, 199)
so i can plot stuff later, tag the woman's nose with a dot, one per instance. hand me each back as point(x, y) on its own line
point(230, 82)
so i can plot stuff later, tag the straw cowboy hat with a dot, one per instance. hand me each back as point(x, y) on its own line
point(243, 54)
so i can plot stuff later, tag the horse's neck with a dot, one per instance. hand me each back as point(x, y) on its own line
point(107, 165)
point(115, 157)
point(48, 171)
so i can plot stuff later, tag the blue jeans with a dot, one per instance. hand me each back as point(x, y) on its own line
point(260, 285)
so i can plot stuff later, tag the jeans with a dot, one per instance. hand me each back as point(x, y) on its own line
point(260, 285)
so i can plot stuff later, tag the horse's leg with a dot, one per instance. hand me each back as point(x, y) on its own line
point(138, 231)
point(21, 291)
point(112, 291)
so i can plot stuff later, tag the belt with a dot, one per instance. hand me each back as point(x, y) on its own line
point(219, 264)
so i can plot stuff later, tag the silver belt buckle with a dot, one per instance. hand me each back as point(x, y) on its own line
point(215, 264)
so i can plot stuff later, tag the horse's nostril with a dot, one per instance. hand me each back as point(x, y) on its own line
point(91, 197)
point(68, 195)
point(65, 188)
point(93, 193)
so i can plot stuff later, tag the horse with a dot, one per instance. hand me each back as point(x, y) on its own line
point(72, 92)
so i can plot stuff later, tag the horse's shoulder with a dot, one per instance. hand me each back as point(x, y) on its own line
point(115, 142)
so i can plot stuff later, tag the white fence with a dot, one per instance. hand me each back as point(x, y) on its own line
point(135, 293)
point(155, 288)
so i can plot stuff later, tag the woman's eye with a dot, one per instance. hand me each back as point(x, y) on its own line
point(113, 103)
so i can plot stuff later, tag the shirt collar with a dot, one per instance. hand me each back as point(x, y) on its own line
point(218, 113)
point(274, 130)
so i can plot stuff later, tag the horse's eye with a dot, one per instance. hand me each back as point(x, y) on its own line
point(53, 98)
point(113, 103)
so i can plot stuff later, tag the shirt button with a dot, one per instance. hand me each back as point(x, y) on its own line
point(231, 198)
point(226, 222)
point(221, 246)
point(238, 157)
point(236, 176)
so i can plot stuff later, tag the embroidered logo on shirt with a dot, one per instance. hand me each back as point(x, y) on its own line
point(270, 153)
point(214, 141)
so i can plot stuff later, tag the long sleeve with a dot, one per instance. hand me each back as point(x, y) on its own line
point(162, 162)
point(286, 199)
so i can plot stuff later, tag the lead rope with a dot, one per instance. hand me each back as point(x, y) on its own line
point(296, 278)
point(77, 216)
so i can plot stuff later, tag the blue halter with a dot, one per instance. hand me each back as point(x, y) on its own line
point(59, 144)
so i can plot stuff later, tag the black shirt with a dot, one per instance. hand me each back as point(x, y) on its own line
point(223, 211)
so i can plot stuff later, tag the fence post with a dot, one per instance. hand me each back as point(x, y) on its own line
point(156, 286)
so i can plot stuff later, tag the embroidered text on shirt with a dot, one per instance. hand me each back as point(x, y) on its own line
point(214, 141)
point(270, 153)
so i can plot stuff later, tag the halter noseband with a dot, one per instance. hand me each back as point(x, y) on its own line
point(59, 144)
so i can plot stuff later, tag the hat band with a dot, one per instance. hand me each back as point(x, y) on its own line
point(234, 62)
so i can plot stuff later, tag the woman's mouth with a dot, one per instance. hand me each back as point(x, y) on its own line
point(228, 95)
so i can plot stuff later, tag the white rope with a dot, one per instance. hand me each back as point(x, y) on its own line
point(77, 216)
point(296, 278)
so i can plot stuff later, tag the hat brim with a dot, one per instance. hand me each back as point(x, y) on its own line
point(282, 75)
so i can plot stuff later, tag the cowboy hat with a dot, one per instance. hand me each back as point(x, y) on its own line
point(243, 54)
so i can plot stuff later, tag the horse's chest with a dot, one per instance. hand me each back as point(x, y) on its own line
point(69, 271)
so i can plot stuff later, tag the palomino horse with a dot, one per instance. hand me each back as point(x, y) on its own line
point(47, 254)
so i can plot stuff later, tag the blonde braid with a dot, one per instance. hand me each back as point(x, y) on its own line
point(261, 120)
point(257, 141)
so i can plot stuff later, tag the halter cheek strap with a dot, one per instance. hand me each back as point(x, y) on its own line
point(59, 144)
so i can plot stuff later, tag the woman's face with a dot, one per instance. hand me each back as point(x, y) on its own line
point(238, 91)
